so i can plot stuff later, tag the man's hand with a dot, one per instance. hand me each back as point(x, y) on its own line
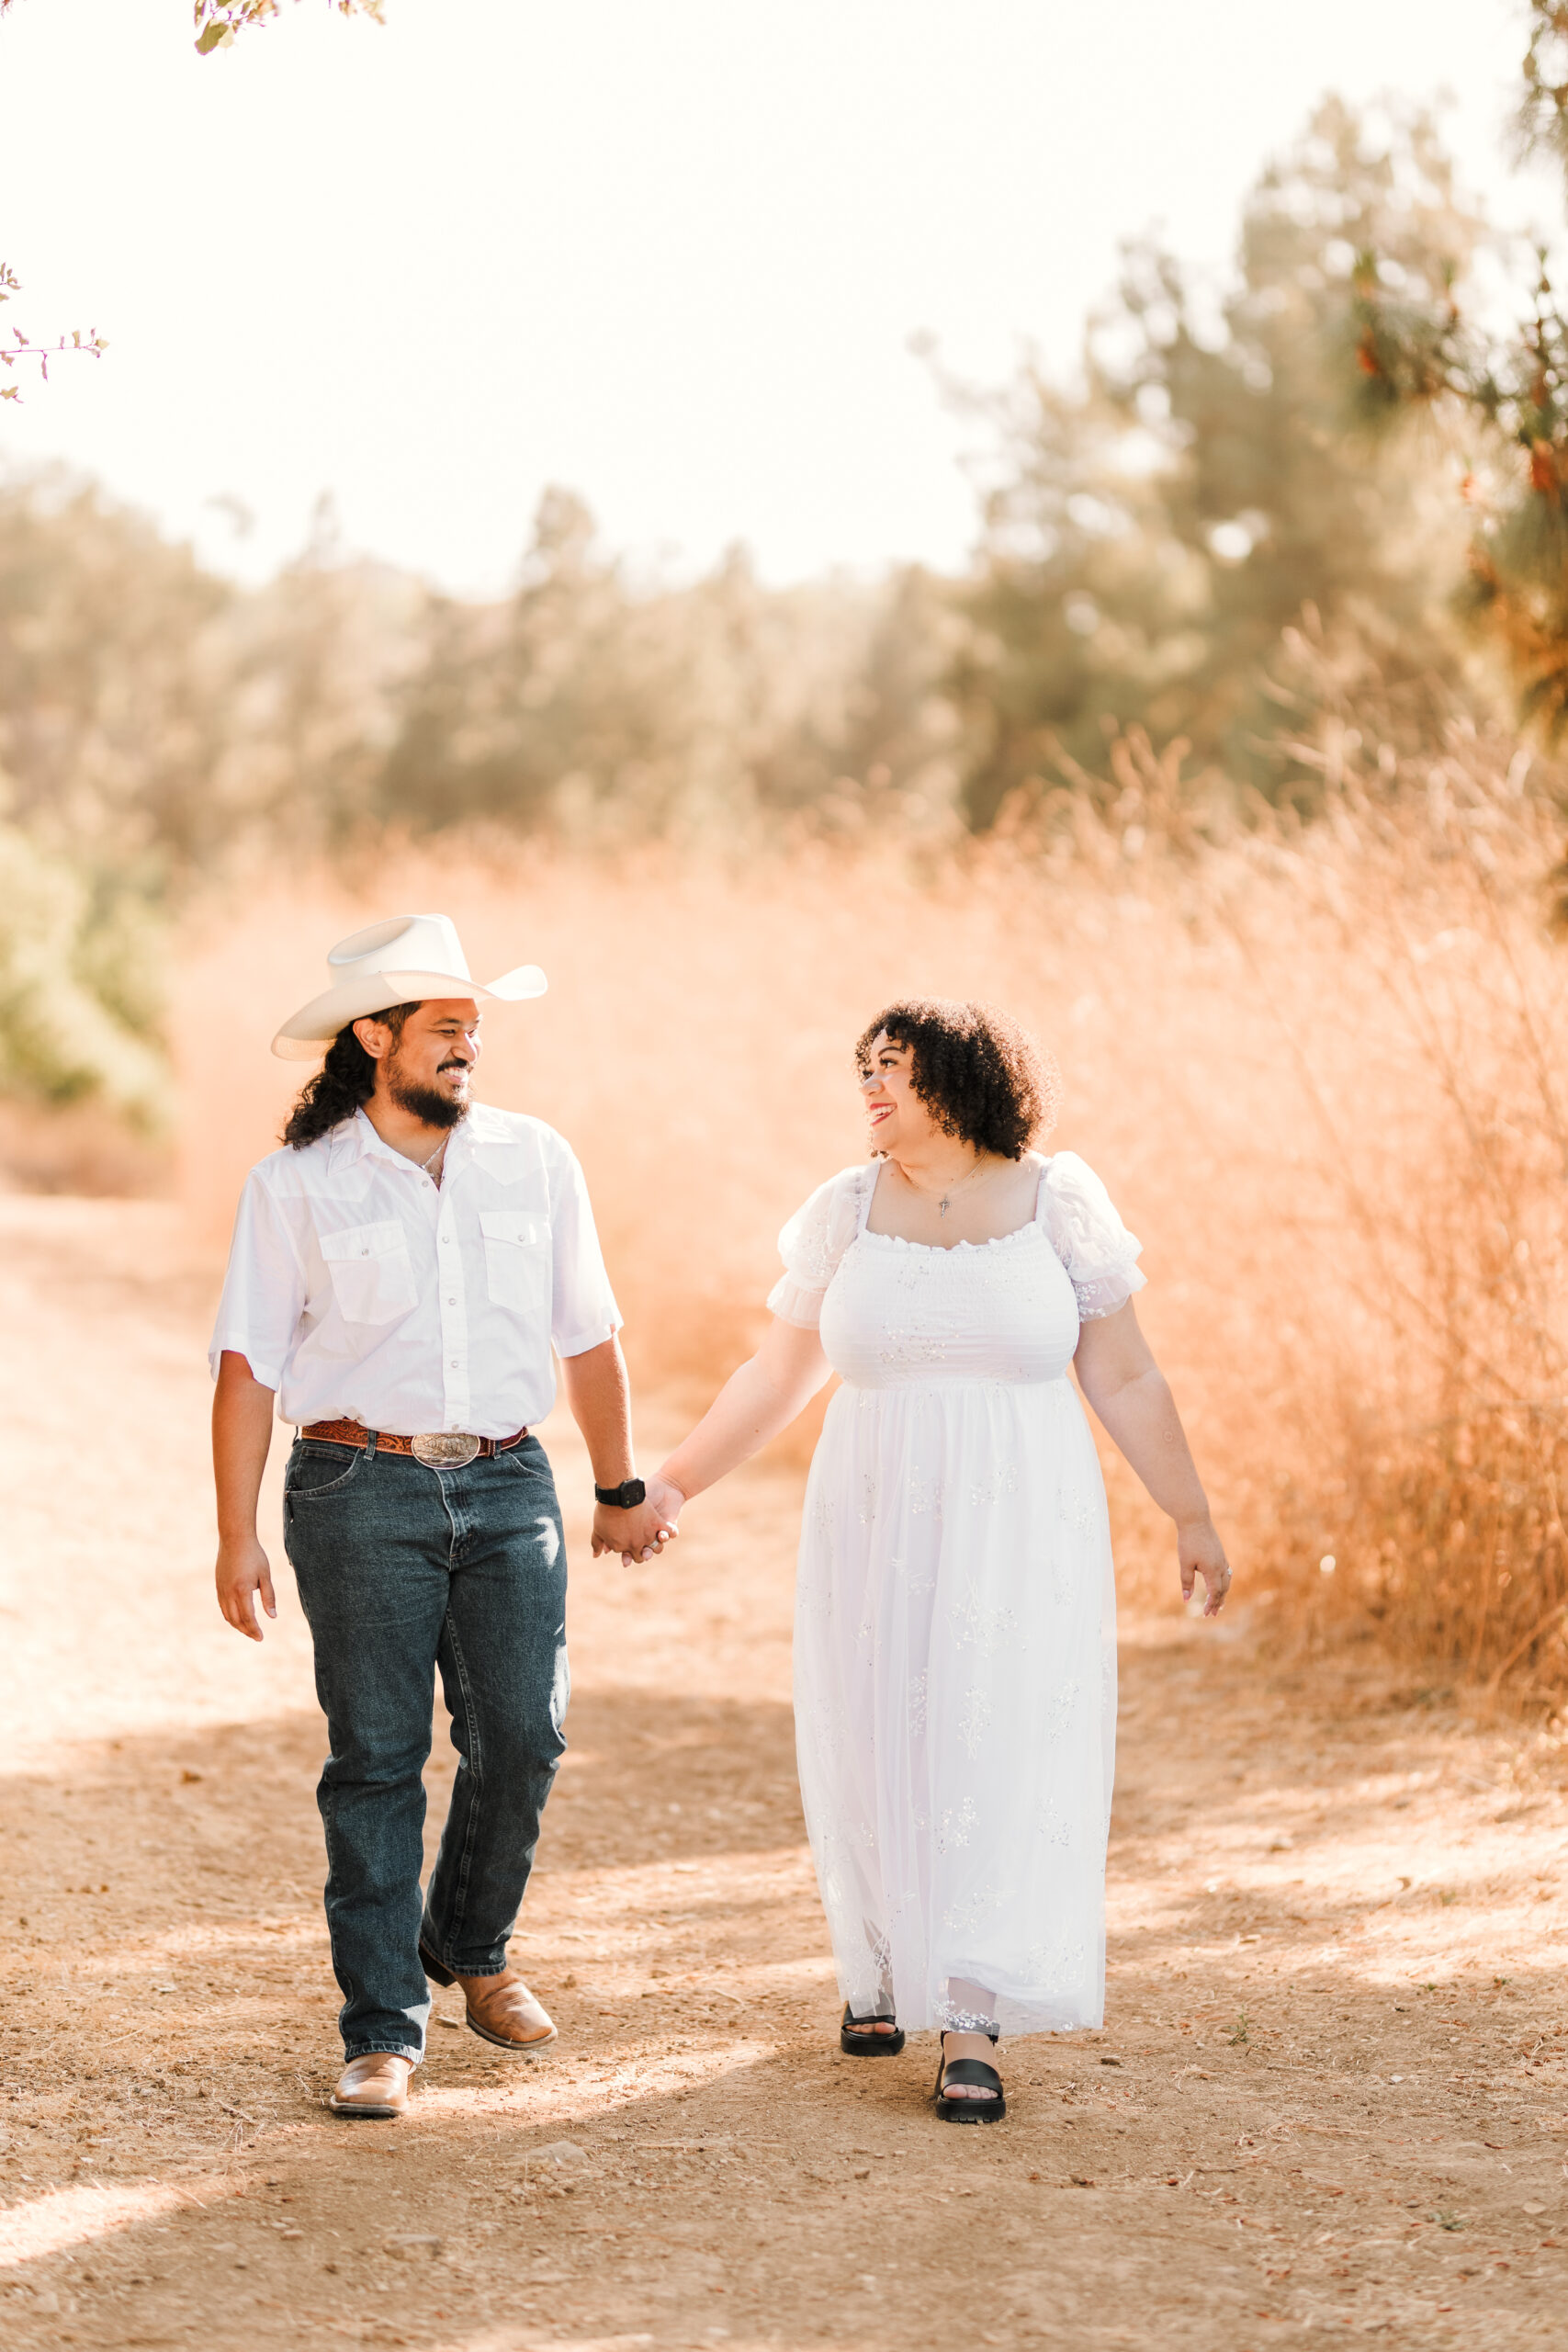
point(637, 1534)
point(242, 1431)
point(243, 1572)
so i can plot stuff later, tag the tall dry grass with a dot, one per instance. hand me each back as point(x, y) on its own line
point(1322, 1073)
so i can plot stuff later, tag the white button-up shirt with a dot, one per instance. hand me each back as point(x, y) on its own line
point(359, 1289)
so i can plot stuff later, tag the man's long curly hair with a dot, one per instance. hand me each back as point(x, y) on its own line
point(979, 1073)
point(345, 1079)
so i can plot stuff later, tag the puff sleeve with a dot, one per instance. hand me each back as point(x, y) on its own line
point(812, 1244)
point(1100, 1254)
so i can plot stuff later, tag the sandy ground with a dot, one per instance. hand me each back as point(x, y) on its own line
point(1330, 2096)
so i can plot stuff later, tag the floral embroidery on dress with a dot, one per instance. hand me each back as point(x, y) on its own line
point(979, 1628)
point(1058, 1966)
point(915, 1711)
point(1062, 1709)
point(973, 1720)
point(1002, 1482)
point(925, 1495)
point(957, 1824)
point(967, 1914)
point(913, 1347)
point(1051, 1823)
point(955, 2019)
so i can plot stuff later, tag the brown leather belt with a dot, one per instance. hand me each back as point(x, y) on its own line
point(388, 1442)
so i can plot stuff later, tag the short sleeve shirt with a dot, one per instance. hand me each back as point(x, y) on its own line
point(359, 1289)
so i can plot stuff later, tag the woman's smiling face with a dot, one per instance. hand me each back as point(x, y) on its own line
point(895, 1113)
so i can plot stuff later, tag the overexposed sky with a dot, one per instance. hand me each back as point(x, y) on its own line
point(670, 254)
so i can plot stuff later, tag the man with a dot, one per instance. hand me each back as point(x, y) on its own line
point(399, 1273)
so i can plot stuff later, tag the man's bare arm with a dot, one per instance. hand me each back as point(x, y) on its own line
point(599, 1395)
point(241, 1432)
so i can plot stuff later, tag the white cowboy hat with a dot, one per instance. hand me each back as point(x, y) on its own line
point(401, 961)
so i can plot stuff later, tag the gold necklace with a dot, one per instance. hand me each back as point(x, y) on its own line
point(946, 1200)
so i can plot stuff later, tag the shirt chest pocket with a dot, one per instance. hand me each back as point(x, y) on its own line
point(372, 1276)
point(517, 1258)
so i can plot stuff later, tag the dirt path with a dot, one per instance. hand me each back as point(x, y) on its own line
point(1332, 2095)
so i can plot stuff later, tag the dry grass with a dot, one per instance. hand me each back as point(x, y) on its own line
point(1322, 1075)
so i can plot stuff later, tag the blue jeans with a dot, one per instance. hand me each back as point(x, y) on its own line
point(403, 1569)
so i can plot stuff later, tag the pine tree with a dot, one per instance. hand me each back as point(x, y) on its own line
point(1150, 535)
point(1502, 404)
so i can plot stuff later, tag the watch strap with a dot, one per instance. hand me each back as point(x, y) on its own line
point(624, 1497)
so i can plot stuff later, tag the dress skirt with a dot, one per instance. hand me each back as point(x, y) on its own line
point(955, 1700)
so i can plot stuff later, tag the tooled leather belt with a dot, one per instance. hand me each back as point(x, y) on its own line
point(442, 1450)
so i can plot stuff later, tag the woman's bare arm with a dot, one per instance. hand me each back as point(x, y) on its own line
point(755, 1403)
point(1128, 1391)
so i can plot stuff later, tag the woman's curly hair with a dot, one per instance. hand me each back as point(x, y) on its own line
point(982, 1077)
point(345, 1079)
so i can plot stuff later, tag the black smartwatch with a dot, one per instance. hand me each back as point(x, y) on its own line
point(624, 1497)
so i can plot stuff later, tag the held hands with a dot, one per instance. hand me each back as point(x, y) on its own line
point(642, 1533)
point(1200, 1554)
point(243, 1572)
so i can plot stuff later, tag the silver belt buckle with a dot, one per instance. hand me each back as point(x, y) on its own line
point(446, 1448)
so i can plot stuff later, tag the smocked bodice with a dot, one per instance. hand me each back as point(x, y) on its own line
point(897, 1315)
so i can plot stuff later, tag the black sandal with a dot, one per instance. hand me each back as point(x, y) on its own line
point(870, 2045)
point(969, 2110)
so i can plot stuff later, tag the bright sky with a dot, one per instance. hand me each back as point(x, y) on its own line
point(670, 254)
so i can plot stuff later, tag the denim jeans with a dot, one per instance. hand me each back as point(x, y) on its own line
point(403, 1569)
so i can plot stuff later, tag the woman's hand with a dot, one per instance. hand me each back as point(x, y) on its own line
point(1200, 1554)
point(667, 1500)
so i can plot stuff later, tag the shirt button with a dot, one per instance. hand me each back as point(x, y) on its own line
point(454, 1363)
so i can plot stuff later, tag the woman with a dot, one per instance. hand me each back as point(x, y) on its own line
point(955, 1663)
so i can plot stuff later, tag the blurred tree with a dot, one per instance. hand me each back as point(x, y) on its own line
point(78, 1000)
point(1502, 400)
point(1148, 535)
point(111, 708)
point(588, 700)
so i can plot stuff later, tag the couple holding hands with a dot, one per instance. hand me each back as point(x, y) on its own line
point(402, 1272)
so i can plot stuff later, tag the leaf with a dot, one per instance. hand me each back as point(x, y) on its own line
point(215, 37)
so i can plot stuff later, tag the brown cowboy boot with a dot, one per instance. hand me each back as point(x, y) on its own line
point(500, 2009)
point(374, 2088)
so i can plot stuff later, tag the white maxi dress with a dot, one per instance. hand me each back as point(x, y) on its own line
point(954, 1640)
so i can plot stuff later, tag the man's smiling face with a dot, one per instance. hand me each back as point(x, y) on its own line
point(426, 1069)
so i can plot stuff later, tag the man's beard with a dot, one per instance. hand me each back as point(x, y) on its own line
point(426, 1102)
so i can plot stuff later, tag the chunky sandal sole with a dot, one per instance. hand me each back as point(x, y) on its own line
point(869, 2045)
point(969, 2110)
